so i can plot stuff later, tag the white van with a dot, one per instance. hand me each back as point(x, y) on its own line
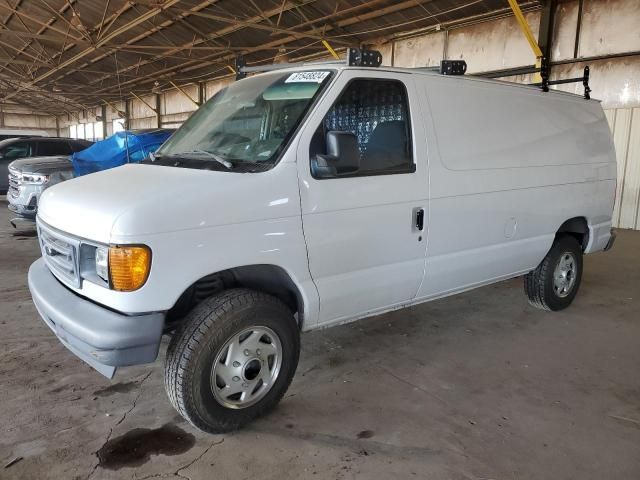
point(313, 196)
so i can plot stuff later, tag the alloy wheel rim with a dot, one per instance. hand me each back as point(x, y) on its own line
point(564, 275)
point(246, 367)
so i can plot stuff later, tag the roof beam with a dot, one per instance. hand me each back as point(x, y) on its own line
point(48, 96)
point(259, 26)
point(45, 26)
point(208, 60)
point(137, 38)
point(217, 34)
point(102, 41)
point(5, 32)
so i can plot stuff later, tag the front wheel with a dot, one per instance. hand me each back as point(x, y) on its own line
point(232, 359)
point(555, 282)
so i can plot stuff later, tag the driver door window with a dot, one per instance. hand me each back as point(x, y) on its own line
point(367, 131)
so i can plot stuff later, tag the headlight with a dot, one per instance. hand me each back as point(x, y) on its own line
point(34, 178)
point(128, 267)
point(102, 263)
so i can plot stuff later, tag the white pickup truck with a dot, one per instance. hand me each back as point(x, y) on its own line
point(312, 196)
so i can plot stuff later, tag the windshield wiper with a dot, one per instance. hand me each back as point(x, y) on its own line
point(218, 158)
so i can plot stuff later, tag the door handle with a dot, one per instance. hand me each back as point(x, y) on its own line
point(419, 219)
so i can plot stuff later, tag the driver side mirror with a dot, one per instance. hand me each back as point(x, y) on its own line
point(342, 157)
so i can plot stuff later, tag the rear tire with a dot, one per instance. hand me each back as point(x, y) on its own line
point(555, 282)
point(232, 359)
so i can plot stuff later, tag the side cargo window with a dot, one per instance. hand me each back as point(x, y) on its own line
point(366, 132)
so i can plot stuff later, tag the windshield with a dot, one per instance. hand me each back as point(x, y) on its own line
point(246, 126)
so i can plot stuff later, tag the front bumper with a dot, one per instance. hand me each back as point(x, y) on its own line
point(23, 211)
point(101, 337)
point(23, 199)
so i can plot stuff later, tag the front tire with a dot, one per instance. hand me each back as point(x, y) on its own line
point(232, 359)
point(555, 282)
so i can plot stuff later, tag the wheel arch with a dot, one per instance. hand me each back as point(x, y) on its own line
point(268, 278)
point(577, 227)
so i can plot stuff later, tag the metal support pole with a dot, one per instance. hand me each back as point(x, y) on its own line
point(103, 114)
point(158, 112)
point(545, 40)
point(57, 126)
point(393, 54)
point(445, 44)
point(201, 93)
point(576, 46)
point(127, 114)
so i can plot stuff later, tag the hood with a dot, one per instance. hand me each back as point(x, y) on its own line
point(42, 165)
point(128, 202)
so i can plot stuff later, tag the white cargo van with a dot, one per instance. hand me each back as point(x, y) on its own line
point(312, 196)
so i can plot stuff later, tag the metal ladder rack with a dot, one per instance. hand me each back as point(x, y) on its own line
point(546, 82)
point(362, 57)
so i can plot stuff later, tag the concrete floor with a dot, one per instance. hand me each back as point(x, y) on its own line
point(477, 386)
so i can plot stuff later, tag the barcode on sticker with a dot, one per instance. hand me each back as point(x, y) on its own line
point(313, 77)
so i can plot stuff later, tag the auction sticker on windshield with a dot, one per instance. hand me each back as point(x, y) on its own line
point(316, 76)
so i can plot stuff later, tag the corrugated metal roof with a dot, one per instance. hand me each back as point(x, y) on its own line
point(61, 55)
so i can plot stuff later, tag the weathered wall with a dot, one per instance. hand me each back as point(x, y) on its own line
point(608, 27)
point(625, 125)
point(22, 120)
point(142, 114)
point(493, 45)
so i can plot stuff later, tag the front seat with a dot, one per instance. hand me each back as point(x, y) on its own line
point(387, 147)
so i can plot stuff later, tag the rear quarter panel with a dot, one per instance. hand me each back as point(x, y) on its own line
point(508, 165)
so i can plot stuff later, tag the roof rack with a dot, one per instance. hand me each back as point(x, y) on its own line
point(361, 57)
point(242, 69)
point(358, 57)
point(544, 73)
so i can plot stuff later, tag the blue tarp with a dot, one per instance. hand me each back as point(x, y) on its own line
point(118, 149)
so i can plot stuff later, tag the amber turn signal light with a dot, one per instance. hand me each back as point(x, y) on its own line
point(129, 267)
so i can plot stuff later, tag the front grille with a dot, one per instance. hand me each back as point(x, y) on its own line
point(60, 253)
point(14, 183)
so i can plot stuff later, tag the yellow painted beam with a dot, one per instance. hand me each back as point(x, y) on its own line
point(185, 93)
point(331, 50)
point(526, 30)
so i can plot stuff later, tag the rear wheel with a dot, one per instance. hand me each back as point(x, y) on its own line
point(555, 282)
point(232, 359)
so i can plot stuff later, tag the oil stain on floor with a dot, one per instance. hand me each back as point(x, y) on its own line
point(135, 447)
